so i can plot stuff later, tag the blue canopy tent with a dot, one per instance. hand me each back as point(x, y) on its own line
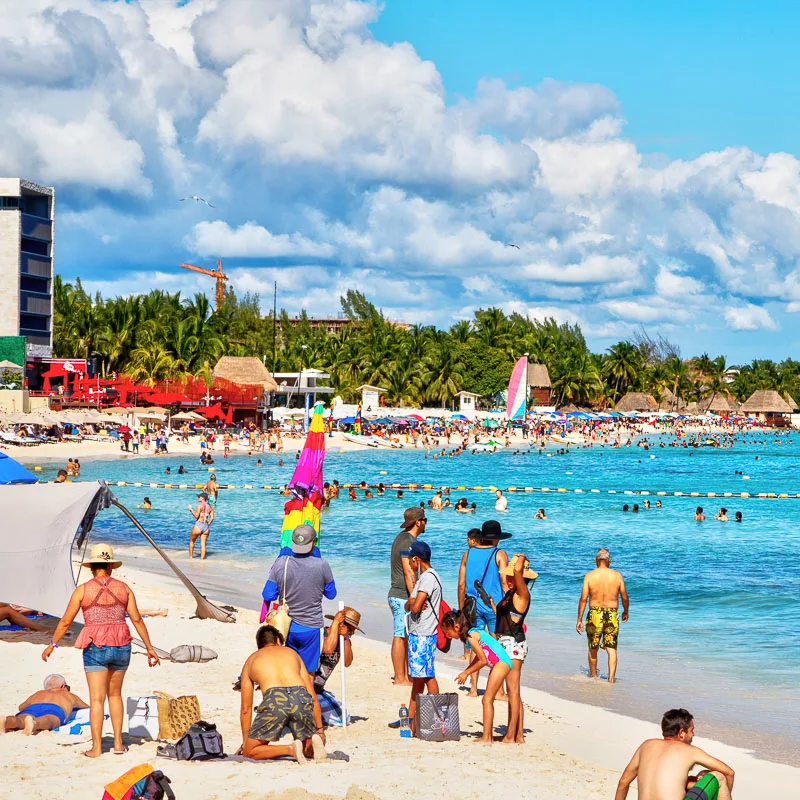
point(13, 472)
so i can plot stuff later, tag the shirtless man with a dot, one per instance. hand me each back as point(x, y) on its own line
point(289, 702)
point(436, 501)
point(602, 588)
point(44, 710)
point(204, 516)
point(662, 766)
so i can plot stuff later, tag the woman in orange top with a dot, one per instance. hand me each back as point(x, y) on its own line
point(105, 641)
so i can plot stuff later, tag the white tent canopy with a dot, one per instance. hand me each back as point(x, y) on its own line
point(40, 525)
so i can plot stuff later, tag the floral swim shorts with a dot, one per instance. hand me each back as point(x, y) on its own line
point(517, 651)
point(602, 628)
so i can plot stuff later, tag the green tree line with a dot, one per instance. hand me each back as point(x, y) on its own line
point(157, 336)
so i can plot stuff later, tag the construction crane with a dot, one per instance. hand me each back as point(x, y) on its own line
point(217, 273)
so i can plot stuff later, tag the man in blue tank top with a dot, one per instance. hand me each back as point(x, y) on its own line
point(484, 562)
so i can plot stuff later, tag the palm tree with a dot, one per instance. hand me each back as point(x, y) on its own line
point(623, 365)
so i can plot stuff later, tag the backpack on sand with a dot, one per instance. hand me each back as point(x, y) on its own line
point(201, 743)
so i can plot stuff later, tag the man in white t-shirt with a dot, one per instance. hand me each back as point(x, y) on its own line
point(501, 504)
point(423, 622)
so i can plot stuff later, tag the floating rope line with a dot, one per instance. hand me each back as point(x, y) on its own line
point(419, 487)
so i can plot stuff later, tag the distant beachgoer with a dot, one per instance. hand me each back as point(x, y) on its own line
point(44, 710)
point(399, 494)
point(738, 516)
point(603, 588)
point(436, 501)
point(722, 515)
point(698, 514)
point(105, 641)
point(401, 585)
point(61, 476)
point(625, 508)
point(289, 702)
point(259, 463)
point(204, 516)
point(483, 564)
point(540, 514)
point(635, 509)
point(303, 579)
point(647, 504)
point(659, 504)
point(473, 508)
point(168, 471)
point(423, 621)
point(501, 503)
point(181, 470)
point(146, 504)
point(352, 494)
point(16, 617)
point(661, 766)
point(461, 506)
point(367, 494)
point(212, 490)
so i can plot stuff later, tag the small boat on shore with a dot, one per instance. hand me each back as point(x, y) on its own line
point(574, 439)
point(366, 441)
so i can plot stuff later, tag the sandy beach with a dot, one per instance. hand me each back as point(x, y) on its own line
point(572, 750)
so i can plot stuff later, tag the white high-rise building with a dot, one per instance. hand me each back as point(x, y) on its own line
point(26, 263)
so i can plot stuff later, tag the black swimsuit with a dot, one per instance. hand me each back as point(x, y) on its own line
point(506, 624)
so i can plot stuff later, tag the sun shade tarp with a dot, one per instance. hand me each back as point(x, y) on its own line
point(12, 471)
point(40, 523)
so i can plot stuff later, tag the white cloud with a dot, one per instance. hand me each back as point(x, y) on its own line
point(251, 241)
point(749, 318)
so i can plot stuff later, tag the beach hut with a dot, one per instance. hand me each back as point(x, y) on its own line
point(467, 400)
point(539, 383)
point(636, 401)
point(370, 397)
point(717, 404)
point(670, 402)
point(244, 371)
point(768, 406)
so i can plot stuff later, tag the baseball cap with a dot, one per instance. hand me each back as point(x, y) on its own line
point(304, 537)
point(411, 516)
point(421, 550)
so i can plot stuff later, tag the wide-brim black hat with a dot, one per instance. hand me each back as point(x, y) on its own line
point(492, 532)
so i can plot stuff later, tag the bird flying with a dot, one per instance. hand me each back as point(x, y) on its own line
point(197, 199)
point(512, 245)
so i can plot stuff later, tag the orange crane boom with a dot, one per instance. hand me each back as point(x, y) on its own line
point(213, 273)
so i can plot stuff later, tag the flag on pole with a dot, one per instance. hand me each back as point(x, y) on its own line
point(357, 423)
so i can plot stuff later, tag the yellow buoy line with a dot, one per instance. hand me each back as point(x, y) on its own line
point(413, 487)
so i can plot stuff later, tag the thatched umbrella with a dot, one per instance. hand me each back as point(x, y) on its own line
point(718, 404)
point(766, 401)
point(249, 371)
point(569, 409)
point(670, 402)
point(790, 400)
point(636, 401)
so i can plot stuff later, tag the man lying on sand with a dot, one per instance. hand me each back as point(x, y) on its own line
point(290, 702)
point(662, 766)
point(44, 710)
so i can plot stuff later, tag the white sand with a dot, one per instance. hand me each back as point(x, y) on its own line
point(572, 750)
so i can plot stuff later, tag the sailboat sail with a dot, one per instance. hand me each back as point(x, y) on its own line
point(517, 390)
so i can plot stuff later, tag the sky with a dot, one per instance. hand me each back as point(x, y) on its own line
point(615, 165)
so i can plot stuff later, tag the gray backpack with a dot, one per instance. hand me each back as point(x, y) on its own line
point(201, 743)
point(437, 717)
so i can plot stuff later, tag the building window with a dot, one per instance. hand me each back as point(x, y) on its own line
point(33, 323)
point(9, 203)
point(31, 284)
point(34, 246)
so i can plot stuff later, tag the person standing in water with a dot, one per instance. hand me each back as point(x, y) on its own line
point(204, 516)
point(603, 588)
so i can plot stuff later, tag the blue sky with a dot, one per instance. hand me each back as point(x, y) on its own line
point(642, 157)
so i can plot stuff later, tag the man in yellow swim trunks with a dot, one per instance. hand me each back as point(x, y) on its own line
point(603, 588)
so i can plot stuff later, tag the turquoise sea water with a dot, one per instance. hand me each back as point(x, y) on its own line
point(713, 605)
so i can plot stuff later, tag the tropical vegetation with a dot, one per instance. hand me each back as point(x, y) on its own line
point(162, 336)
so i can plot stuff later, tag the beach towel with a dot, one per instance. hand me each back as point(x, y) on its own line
point(122, 788)
point(77, 723)
point(331, 709)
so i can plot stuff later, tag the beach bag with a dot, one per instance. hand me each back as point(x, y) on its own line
point(176, 714)
point(123, 788)
point(192, 652)
point(442, 642)
point(202, 742)
point(437, 717)
point(156, 787)
point(143, 716)
point(279, 618)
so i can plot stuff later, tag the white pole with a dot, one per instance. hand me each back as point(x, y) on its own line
point(344, 680)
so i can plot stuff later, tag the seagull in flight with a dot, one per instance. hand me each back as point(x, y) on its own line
point(512, 245)
point(197, 199)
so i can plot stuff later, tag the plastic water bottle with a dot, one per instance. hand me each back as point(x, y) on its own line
point(405, 723)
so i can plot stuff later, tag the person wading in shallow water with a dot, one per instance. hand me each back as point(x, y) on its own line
point(602, 589)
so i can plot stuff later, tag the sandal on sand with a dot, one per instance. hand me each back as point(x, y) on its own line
point(318, 747)
point(120, 752)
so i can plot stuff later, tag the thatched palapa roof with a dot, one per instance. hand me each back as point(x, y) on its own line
point(669, 402)
point(248, 371)
point(790, 400)
point(538, 376)
point(718, 404)
point(766, 401)
point(637, 401)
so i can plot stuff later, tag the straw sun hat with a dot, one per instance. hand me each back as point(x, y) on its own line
point(527, 573)
point(102, 554)
point(351, 617)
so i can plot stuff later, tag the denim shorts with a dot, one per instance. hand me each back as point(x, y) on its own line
point(114, 659)
point(398, 607)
